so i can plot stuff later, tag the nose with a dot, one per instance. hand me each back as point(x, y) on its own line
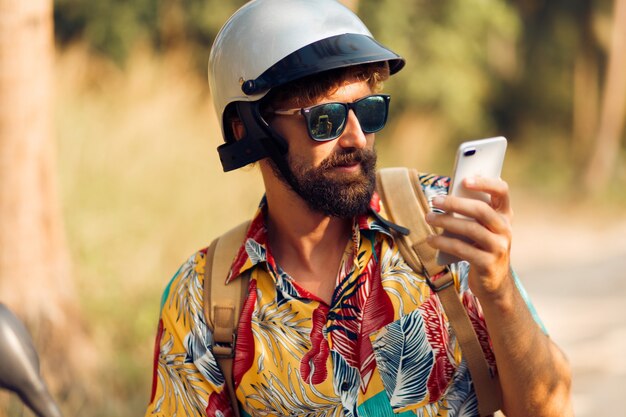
point(352, 136)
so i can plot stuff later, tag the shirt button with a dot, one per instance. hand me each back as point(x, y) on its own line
point(345, 386)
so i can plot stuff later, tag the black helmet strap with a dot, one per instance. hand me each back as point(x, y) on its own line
point(255, 145)
point(260, 141)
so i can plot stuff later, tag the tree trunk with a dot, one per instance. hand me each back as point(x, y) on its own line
point(586, 99)
point(34, 265)
point(605, 153)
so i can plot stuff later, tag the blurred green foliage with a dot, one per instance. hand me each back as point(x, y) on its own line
point(481, 67)
point(114, 27)
point(111, 27)
point(450, 46)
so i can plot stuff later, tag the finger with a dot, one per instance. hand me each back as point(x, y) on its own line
point(468, 228)
point(475, 209)
point(460, 249)
point(497, 188)
point(485, 263)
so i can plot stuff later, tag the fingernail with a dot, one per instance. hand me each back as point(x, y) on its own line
point(430, 217)
point(439, 200)
point(470, 181)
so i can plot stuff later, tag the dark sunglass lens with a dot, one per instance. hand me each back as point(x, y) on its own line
point(326, 121)
point(372, 113)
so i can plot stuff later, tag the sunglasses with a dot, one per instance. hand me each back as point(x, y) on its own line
point(327, 121)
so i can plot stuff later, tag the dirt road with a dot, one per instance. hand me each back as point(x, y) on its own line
point(574, 268)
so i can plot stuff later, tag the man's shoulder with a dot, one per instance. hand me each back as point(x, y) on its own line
point(433, 185)
point(229, 259)
point(434, 182)
point(188, 278)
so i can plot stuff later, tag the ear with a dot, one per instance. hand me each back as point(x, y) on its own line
point(239, 130)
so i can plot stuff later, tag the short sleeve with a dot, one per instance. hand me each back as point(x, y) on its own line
point(186, 377)
point(528, 302)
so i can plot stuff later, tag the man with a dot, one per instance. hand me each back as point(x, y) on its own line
point(296, 85)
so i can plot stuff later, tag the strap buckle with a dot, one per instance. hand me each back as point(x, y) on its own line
point(444, 281)
point(224, 331)
point(224, 350)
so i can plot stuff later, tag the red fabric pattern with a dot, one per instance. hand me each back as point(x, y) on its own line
point(377, 312)
point(313, 364)
point(438, 338)
point(155, 362)
point(375, 202)
point(256, 231)
point(478, 322)
point(218, 402)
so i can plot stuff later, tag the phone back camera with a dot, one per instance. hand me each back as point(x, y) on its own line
point(469, 152)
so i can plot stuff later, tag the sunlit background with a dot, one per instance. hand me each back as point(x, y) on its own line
point(141, 187)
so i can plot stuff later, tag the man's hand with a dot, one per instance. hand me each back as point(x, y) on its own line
point(488, 225)
point(534, 373)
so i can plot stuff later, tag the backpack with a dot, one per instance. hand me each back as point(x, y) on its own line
point(406, 205)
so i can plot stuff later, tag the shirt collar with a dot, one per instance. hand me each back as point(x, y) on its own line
point(254, 249)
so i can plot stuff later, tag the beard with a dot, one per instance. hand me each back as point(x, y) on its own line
point(332, 193)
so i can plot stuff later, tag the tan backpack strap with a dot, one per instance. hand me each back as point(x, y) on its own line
point(486, 385)
point(223, 302)
point(406, 204)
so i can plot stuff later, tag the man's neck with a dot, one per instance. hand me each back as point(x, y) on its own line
point(308, 245)
point(299, 233)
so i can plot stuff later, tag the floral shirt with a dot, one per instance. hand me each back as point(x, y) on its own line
point(382, 347)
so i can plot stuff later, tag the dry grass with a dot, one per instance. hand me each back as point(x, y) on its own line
point(142, 189)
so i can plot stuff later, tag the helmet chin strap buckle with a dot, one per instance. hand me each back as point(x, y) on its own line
point(240, 153)
point(259, 142)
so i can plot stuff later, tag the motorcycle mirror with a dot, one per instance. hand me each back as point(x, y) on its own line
point(19, 366)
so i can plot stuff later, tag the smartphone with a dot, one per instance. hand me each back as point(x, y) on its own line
point(484, 158)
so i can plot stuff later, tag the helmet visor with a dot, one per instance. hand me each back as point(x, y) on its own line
point(330, 53)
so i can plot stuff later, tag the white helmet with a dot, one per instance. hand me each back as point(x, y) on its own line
point(268, 43)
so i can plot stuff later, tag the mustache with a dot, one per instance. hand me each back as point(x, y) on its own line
point(352, 157)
